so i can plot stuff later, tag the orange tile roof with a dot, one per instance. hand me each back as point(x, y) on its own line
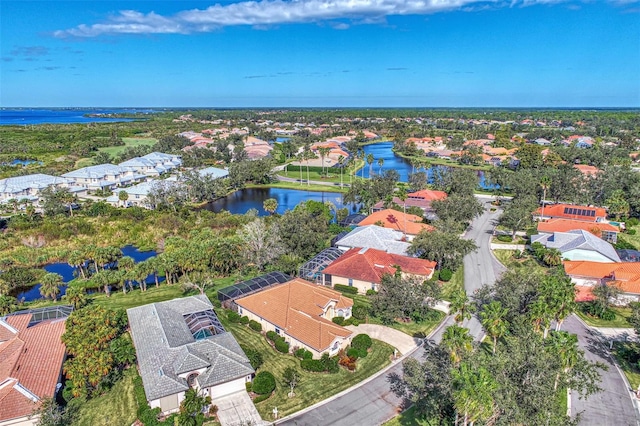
point(389, 218)
point(557, 210)
point(33, 358)
point(586, 170)
point(625, 275)
point(585, 268)
point(565, 225)
point(370, 264)
point(428, 194)
point(295, 307)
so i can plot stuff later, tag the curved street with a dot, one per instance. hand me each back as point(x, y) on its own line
point(373, 403)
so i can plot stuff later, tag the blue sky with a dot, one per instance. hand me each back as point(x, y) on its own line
point(372, 53)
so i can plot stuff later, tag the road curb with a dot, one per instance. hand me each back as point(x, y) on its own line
point(362, 383)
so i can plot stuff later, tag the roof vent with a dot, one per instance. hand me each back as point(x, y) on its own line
point(363, 250)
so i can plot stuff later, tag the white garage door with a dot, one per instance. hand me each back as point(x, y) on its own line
point(228, 388)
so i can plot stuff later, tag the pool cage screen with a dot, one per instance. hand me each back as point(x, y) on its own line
point(245, 288)
point(312, 270)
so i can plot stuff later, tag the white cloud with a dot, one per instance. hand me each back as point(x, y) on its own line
point(272, 12)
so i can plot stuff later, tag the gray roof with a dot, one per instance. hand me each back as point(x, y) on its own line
point(18, 184)
point(95, 172)
point(166, 348)
point(576, 240)
point(213, 172)
point(376, 237)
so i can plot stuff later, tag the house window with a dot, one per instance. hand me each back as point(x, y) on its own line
point(277, 330)
point(373, 286)
point(191, 379)
point(240, 310)
point(350, 282)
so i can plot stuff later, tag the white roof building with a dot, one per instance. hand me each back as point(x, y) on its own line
point(103, 176)
point(28, 186)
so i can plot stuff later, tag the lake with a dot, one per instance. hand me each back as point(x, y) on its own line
point(68, 273)
point(402, 166)
point(24, 116)
point(252, 198)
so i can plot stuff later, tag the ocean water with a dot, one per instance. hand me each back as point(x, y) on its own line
point(24, 116)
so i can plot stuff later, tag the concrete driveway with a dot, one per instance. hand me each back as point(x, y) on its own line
point(403, 342)
point(238, 410)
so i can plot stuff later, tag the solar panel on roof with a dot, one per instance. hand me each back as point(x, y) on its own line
point(252, 285)
point(592, 213)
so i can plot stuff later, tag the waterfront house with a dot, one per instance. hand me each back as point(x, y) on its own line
point(28, 187)
point(363, 268)
point(578, 245)
point(421, 199)
point(301, 312)
point(31, 357)
point(181, 344)
point(103, 176)
point(376, 237)
point(409, 224)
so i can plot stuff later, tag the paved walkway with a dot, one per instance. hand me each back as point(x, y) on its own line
point(238, 410)
point(403, 342)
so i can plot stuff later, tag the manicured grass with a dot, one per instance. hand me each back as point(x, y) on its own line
point(419, 329)
point(313, 387)
point(128, 142)
point(408, 418)
point(303, 187)
point(517, 240)
point(633, 239)
point(621, 320)
point(506, 257)
point(332, 177)
point(631, 372)
point(455, 284)
point(116, 407)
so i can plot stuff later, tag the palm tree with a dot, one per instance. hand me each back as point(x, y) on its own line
point(76, 295)
point(361, 156)
point(270, 205)
point(341, 164)
point(324, 151)
point(565, 345)
point(125, 265)
point(300, 159)
point(457, 341)
point(552, 257)
point(461, 305)
point(541, 316)
point(493, 320)
point(545, 182)
point(77, 260)
point(473, 390)
point(380, 164)
point(123, 196)
point(50, 285)
point(370, 160)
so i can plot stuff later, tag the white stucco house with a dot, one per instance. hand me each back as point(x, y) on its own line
point(578, 245)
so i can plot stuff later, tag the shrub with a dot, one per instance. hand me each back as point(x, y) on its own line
point(255, 326)
point(445, 275)
point(313, 365)
point(255, 357)
point(631, 232)
point(360, 312)
point(633, 221)
point(338, 320)
point(261, 398)
point(504, 238)
point(244, 320)
point(248, 386)
point(346, 361)
point(233, 317)
point(623, 244)
point(345, 288)
point(353, 353)
point(282, 346)
point(273, 336)
point(264, 383)
point(371, 292)
point(361, 341)
point(302, 353)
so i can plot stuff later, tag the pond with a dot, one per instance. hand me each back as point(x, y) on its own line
point(68, 273)
point(252, 198)
point(402, 166)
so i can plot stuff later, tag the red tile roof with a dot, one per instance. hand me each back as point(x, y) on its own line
point(370, 264)
point(296, 307)
point(399, 221)
point(428, 195)
point(565, 225)
point(32, 358)
point(625, 275)
point(558, 211)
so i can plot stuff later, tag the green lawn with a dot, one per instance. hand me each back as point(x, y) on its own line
point(407, 418)
point(506, 257)
point(455, 284)
point(621, 320)
point(633, 239)
point(630, 371)
point(313, 387)
point(116, 407)
point(116, 150)
point(331, 177)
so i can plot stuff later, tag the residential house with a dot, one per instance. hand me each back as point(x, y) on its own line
point(421, 199)
point(409, 224)
point(103, 176)
point(376, 237)
point(606, 231)
point(363, 268)
point(180, 344)
point(301, 312)
point(153, 164)
point(568, 211)
point(587, 170)
point(587, 275)
point(578, 245)
point(28, 187)
point(214, 172)
point(137, 195)
point(31, 357)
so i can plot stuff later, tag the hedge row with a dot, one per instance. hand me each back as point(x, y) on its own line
point(302, 353)
point(280, 344)
point(255, 326)
point(345, 288)
point(323, 364)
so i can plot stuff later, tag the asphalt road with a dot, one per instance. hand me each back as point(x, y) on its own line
point(613, 406)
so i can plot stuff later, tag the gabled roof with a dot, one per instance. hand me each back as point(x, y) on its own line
point(372, 236)
point(370, 264)
point(428, 194)
point(568, 211)
point(213, 172)
point(576, 240)
point(166, 346)
point(15, 185)
point(31, 357)
point(95, 172)
point(565, 225)
point(625, 275)
point(393, 219)
point(296, 308)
